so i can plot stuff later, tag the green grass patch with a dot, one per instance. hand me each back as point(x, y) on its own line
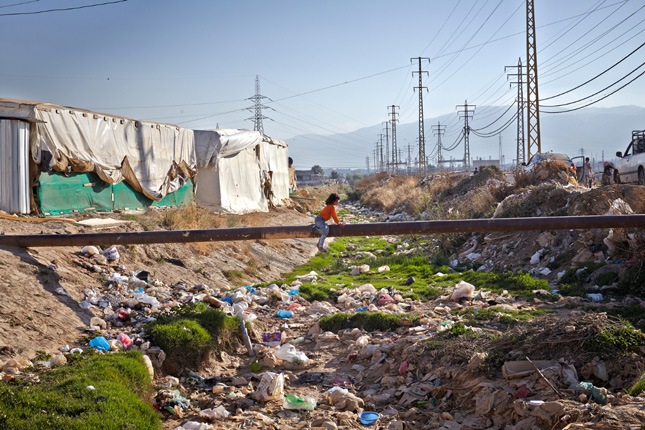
point(190, 334)
point(369, 321)
point(500, 316)
point(615, 341)
point(638, 387)
point(61, 399)
point(561, 259)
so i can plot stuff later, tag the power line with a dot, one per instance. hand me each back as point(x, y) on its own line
point(63, 9)
point(602, 98)
point(598, 75)
point(18, 4)
point(500, 117)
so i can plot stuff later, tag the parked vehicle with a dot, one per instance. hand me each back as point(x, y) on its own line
point(541, 157)
point(630, 166)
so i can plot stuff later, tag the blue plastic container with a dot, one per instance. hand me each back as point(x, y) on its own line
point(368, 418)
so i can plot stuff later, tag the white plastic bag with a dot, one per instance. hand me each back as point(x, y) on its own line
point(271, 387)
point(290, 353)
point(463, 289)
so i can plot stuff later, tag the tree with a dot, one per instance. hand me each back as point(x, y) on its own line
point(318, 170)
point(334, 175)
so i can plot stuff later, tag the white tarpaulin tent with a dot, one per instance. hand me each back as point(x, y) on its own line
point(155, 159)
point(274, 158)
point(229, 175)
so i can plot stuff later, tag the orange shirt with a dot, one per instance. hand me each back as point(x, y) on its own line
point(329, 212)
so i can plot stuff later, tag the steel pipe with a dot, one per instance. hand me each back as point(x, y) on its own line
point(290, 232)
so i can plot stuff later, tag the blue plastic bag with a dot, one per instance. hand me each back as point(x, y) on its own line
point(293, 292)
point(284, 314)
point(100, 343)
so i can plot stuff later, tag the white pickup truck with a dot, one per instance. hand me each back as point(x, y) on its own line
point(630, 166)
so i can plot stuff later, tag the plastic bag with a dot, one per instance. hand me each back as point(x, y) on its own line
point(288, 352)
point(271, 387)
point(463, 290)
point(293, 402)
point(100, 343)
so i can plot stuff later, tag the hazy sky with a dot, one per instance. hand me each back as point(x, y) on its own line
point(326, 67)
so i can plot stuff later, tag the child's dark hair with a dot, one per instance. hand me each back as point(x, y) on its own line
point(332, 198)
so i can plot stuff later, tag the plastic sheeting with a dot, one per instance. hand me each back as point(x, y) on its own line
point(229, 175)
point(15, 192)
point(155, 159)
point(274, 158)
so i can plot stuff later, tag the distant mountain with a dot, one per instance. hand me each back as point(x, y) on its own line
point(592, 130)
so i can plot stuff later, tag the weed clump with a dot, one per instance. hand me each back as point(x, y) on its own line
point(369, 321)
point(615, 341)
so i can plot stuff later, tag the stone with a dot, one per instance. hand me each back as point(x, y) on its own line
point(96, 321)
point(239, 381)
point(395, 425)
point(322, 423)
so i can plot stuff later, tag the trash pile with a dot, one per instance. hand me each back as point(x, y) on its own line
point(434, 368)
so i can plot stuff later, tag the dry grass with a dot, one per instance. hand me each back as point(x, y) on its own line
point(396, 192)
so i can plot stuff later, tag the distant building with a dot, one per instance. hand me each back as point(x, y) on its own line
point(309, 177)
point(479, 163)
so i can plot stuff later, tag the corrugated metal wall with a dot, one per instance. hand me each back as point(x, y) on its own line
point(14, 166)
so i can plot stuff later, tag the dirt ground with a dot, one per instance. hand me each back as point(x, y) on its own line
point(41, 288)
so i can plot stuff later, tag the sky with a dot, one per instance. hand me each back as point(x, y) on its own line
point(325, 68)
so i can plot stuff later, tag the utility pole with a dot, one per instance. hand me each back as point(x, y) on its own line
point(257, 107)
point(466, 115)
point(532, 98)
point(395, 158)
point(422, 142)
point(520, 109)
point(389, 168)
point(439, 130)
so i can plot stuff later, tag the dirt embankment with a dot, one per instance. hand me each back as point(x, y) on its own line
point(43, 287)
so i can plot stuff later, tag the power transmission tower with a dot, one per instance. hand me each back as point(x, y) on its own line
point(395, 157)
point(439, 130)
point(375, 152)
point(383, 160)
point(409, 159)
point(520, 110)
point(532, 98)
point(422, 141)
point(387, 146)
point(257, 108)
point(367, 161)
point(500, 149)
point(466, 115)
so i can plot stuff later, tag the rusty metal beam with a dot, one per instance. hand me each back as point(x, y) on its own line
point(290, 232)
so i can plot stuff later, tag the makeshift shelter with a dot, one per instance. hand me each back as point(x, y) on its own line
point(78, 160)
point(240, 171)
point(274, 158)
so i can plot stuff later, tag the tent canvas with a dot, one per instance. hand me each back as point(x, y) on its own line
point(154, 159)
point(229, 174)
point(274, 156)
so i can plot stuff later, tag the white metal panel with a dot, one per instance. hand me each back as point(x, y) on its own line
point(14, 166)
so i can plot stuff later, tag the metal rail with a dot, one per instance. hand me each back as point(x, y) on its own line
point(290, 232)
